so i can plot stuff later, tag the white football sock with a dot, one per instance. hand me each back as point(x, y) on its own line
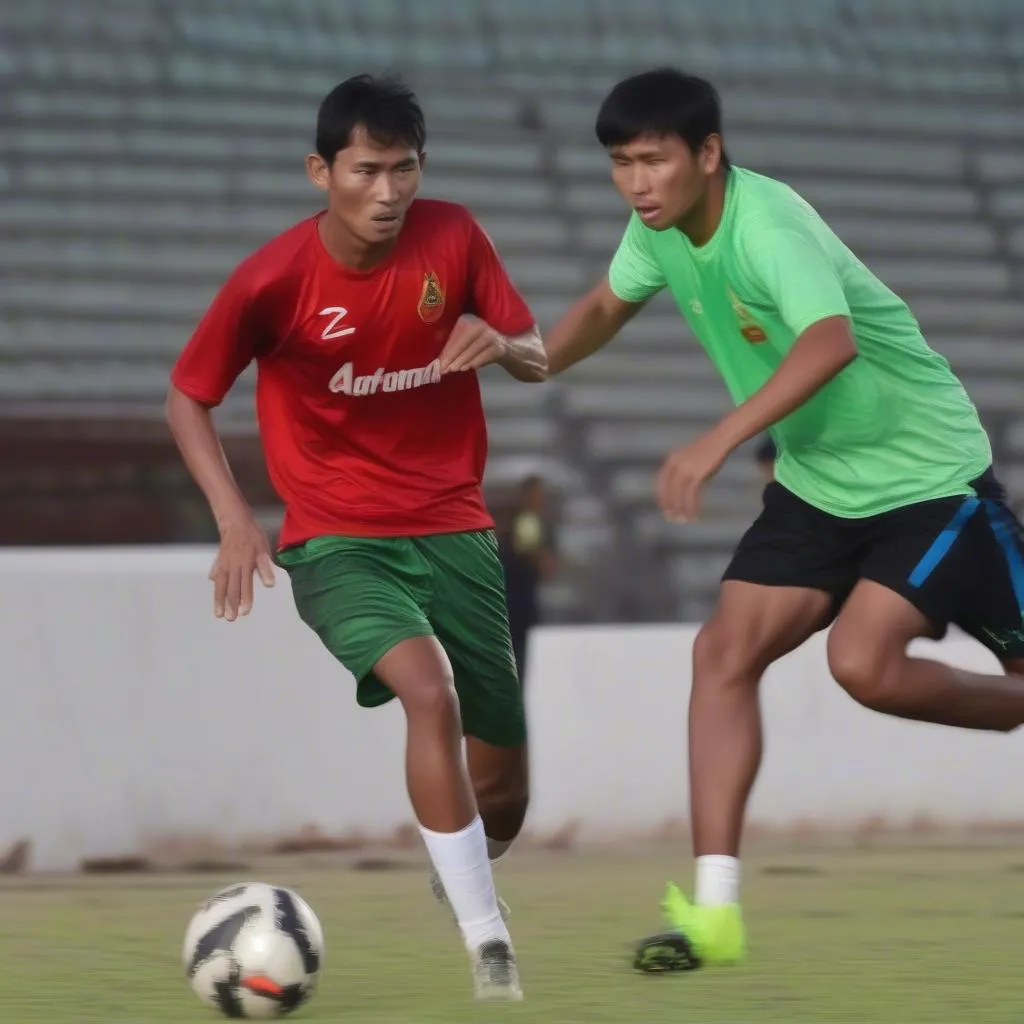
point(718, 880)
point(497, 848)
point(464, 868)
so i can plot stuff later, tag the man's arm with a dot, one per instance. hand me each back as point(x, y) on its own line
point(818, 355)
point(474, 344)
point(243, 544)
point(633, 277)
point(497, 326)
point(525, 358)
point(587, 326)
point(191, 424)
point(798, 278)
point(223, 344)
point(800, 281)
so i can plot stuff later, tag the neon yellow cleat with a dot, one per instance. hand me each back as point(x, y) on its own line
point(700, 936)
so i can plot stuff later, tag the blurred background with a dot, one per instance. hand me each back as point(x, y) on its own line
point(147, 145)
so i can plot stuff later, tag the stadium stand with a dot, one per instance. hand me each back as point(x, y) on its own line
point(146, 146)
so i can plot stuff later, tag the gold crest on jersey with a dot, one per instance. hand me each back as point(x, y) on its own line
point(431, 305)
point(750, 329)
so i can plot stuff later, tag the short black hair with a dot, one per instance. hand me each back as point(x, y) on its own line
point(665, 101)
point(385, 106)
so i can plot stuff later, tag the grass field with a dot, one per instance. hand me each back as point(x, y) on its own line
point(899, 936)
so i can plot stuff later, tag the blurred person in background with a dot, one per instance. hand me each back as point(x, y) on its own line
point(884, 518)
point(528, 558)
point(368, 322)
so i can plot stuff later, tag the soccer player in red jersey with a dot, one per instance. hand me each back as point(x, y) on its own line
point(367, 323)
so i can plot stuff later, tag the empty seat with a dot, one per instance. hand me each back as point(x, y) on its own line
point(113, 257)
point(221, 71)
point(637, 485)
point(775, 152)
point(1009, 203)
point(948, 236)
point(698, 570)
point(902, 158)
point(968, 277)
point(641, 441)
point(538, 233)
point(546, 275)
point(30, 103)
point(847, 196)
point(911, 118)
point(507, 470)
point(685, 368)
point(103, 298)
point(648, 402)
point(44, 337)
point(84, 381)
point(520, 435)
point(1012, 477)
point(991, 395)
point(704, 533)
point(548, 309)
point(521, 193)
point(502, 395)
point(177, 147)
point(1014, 438)
point(969, 314)
point(462, 110)
point(1016, 242)
point(1001, 166)
point(124, 218)
point(502, 157)
point(109, 179)
point(980, 353)
point(591, 198)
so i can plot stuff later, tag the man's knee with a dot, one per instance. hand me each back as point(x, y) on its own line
point(504, 802)
point(723, 654)
point(419, 674)
point(431, 696)
point(503, 795)
point(867, 670)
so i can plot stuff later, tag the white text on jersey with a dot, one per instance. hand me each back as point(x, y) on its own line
point(345, 383)
point(339, 314)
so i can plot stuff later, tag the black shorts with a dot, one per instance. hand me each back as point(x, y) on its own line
point(957, 560)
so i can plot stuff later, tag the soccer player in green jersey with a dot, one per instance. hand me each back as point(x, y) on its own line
point(884, 519)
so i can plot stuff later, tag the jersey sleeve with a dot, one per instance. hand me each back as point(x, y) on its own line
point(227, 339)
point(634, 274)
point(493, 296)
point(796, 274)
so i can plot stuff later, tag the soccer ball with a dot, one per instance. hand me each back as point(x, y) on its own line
point(254, 950)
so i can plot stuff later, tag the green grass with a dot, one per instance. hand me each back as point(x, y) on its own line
point(899, 936)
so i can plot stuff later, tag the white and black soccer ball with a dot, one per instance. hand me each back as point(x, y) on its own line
point(254, 951)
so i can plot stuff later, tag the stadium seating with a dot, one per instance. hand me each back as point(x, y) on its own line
point(146, 147)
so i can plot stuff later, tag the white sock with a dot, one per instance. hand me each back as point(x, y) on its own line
point(498, 847)
point(718, 880)
point(464, 868)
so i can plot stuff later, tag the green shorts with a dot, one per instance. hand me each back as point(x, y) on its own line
point(363, 595)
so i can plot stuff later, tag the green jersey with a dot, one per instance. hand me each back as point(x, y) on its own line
point(894, 427)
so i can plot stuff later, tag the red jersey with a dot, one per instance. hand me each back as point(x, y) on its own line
point(362, 434)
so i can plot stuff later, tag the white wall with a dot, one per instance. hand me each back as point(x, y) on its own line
point(130, 714)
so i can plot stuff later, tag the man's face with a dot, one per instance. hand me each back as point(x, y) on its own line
point(661, 178)
point(369, 186)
